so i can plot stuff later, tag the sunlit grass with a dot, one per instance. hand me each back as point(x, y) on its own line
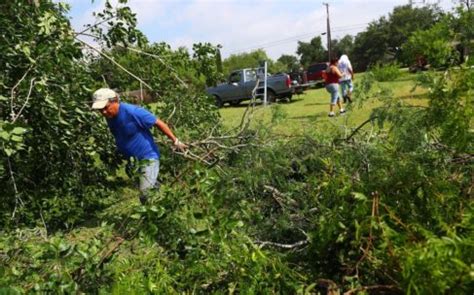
point(309, 111)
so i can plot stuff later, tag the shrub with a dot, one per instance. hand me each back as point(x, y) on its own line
point(385, 72)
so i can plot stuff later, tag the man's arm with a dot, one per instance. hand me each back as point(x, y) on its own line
point(167, 131)
point(351, 71)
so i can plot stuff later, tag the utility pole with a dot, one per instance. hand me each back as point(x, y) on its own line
point(328, 32)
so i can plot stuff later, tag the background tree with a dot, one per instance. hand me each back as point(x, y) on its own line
point(343, 45)
point(311, 52)
point(404, 20)
point(249, 60)
point(448, 41)
point(461, 23)
point(207, 59)
point(289, 61)
point(466, 3)
point(382, 40)
point(370, 46)
point(435, 45)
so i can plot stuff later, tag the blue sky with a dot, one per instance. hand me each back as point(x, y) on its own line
point(243, 25)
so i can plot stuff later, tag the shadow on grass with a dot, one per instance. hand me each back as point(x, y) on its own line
point(406, 77)
point(413, 96)
point(317, 104)
point(259, 103)
point(313, 117)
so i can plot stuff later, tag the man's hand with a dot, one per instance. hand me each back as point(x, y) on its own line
point(178, 145)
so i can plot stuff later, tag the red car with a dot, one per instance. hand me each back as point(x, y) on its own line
point(315, 71)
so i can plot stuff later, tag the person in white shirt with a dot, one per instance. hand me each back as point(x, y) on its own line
point(345, 81)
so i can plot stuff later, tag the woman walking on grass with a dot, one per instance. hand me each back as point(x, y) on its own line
point(331, 79)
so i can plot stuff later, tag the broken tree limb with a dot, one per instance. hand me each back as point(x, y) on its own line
point(280, 245)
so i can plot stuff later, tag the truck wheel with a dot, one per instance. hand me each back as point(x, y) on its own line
point(219, 102)
point(271, 96)
point(235, 103)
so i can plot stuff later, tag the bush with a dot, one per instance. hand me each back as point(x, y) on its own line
point(387, 72)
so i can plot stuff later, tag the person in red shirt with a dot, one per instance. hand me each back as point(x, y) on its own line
point(331, 79)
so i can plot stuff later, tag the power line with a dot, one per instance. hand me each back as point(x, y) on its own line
point(296, 37)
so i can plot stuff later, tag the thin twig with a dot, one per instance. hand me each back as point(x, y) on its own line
point(94, 25)
point(172, 114)
point(173, 71)
point(26, 101)
point(12, 114)
point(115, 63)
point(15, 188)
point(280, 245)
point(45, 236)
point(357, 129)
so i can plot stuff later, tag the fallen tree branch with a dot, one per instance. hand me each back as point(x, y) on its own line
point(278, 196)
point(331, 287)
point(356, 130)
point(110, 251)
point(280, 245)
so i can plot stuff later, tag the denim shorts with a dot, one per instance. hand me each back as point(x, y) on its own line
point(149, 170)
point(333, 89)
point(346, 86)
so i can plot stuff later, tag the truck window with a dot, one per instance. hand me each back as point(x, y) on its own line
point(234, 77)
point(250, 75)
point(317, 68)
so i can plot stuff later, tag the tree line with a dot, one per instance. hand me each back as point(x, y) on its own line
point(442, 37)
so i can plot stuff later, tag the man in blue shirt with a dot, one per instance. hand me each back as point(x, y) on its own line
point(130, 126)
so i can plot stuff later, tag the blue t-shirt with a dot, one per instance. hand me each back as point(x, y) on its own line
point(131, 129)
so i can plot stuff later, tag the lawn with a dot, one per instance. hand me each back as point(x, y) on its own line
point(310, 110)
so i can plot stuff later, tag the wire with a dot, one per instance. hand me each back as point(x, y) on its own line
point(296, 37)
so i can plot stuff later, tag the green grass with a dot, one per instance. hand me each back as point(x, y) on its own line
point(309, 111)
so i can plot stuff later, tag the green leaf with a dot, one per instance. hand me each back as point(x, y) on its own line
point(8, 152)
point(18, 130)
point(5, 135)
point(359, 196)
point(17, 138)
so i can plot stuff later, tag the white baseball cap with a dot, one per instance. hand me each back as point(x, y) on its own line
point(101, 97)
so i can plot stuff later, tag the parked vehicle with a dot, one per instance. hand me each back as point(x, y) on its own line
point(298, 79)
point(315, 72)
point(421, 64)
point(240, 84)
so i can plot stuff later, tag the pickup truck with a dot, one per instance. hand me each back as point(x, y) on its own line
point(315, 72)
point(240, 84)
